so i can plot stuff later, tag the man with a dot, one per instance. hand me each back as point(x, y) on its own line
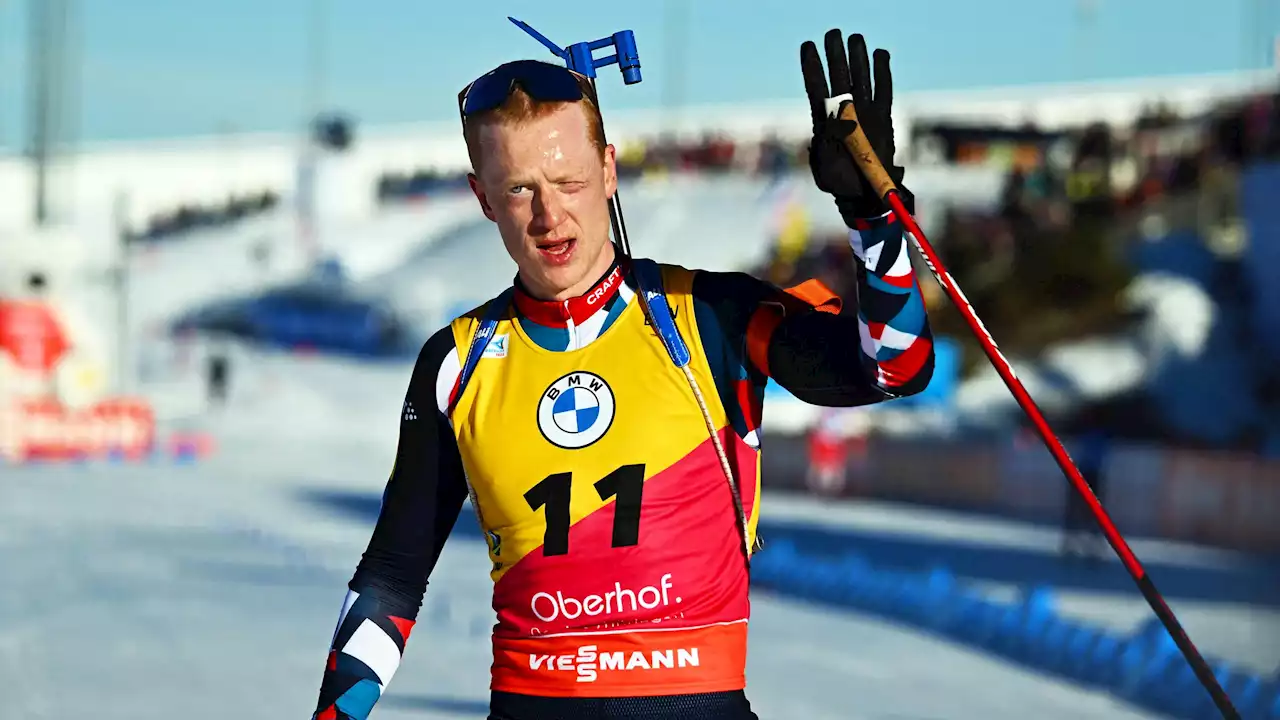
point(32, 342)
point(1081, 536)
point(217, 370)
point(47, 351)
point(619, 552)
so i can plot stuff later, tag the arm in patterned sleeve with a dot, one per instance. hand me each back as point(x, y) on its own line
point(419, 508)
point(895, 342)
point(816, 355)
point(798, 338)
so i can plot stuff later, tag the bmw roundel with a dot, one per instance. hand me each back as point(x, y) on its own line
point(576, 410)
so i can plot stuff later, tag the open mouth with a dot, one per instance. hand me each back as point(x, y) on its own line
point(559, 250)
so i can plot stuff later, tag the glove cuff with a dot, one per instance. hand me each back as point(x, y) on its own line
point(856, 211)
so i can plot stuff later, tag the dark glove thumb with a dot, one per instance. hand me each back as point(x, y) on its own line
point(840, 129)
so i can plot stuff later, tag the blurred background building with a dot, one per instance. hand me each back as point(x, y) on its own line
point(247, 291)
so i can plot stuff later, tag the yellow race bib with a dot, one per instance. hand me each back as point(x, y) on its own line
point(617, 558)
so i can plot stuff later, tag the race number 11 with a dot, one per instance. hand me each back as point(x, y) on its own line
point(553, 493)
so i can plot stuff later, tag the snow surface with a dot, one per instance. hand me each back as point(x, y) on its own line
point(202, 591)
point(197, 591)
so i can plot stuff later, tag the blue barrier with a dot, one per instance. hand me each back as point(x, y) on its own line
point(1259, 186)
point(1143, 667)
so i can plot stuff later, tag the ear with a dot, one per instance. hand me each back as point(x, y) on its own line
point(610, 170)
point(481, 197)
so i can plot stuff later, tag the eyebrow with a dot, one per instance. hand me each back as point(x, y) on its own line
point(513, 179)
point(568, 176)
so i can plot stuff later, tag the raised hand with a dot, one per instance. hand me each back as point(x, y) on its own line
point(833, 167)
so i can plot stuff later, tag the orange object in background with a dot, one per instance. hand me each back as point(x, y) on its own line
point(31, 334)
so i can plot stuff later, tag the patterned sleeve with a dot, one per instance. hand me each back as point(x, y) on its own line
point(366, 650)
point(829, 358)
point(420, 505)
point(896, 341)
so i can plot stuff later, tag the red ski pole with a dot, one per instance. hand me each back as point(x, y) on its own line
point(871, 167)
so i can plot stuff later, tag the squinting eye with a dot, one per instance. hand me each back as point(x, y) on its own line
point(515, 189)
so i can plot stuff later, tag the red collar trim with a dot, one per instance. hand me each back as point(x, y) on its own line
point(558, 313)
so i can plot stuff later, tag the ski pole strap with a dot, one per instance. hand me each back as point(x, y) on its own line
point(484, 333)
point(648, 279)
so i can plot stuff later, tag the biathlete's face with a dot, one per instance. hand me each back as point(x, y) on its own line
point(547, 187)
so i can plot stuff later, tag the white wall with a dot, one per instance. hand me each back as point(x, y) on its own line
point(157, 176)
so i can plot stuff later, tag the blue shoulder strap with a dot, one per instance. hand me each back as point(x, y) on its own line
point(649, 279)
point(484, 333)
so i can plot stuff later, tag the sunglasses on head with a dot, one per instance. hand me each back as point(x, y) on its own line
point(546, 82)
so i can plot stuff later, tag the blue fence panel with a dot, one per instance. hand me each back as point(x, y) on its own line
point(1260, 205)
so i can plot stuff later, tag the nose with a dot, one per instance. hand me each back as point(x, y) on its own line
point(548, 210)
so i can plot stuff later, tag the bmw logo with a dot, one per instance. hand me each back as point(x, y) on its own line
point(576, 410)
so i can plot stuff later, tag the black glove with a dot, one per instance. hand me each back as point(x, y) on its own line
point(834, 170)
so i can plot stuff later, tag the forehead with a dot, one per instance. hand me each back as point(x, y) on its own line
point(561, 136)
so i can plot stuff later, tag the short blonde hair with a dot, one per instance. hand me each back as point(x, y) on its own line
point(521, 107)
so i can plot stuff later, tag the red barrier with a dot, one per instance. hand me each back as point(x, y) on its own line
point(45, 430)
point(1221, 499)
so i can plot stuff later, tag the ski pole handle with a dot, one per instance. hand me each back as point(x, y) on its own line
point(860, 147)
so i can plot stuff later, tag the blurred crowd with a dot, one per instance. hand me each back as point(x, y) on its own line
point(1074, 225)
point(713, 153)
point(1054, 249)
point(188, 218)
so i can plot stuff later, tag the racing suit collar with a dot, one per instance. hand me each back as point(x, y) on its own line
point(575, 310)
